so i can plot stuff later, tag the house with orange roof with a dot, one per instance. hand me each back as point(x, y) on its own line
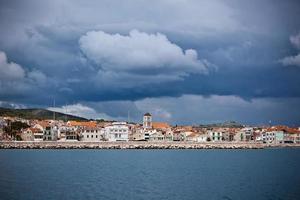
point(42, 124)
point(160, 125)
point(32, 134)
point(90, 124)
point(50, 131)
point(292, 135)
point(273, 134)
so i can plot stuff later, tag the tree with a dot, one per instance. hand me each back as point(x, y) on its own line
point(14, 127)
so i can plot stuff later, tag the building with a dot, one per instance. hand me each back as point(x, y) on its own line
point(50, 133)
point(273, 135)
point(27, 134)
point(71, 135)
point(32, 134)
point(248, 133)
point(178, 136)
point(192, 136)
point(117, 131)
point(38, 134)
point(216, 135)
point(89, 134)
point(138, 134)
point(202, 137)
point(295, 135)
point(68, 133)
point(147, 121)
point(156, 135)
point(229, 134)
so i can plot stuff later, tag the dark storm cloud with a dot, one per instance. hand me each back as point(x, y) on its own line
point(207, 48)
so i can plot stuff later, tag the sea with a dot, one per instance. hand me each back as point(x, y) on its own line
point(150, 174)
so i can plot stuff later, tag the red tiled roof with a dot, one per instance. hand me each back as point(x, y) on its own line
point(91, 124)
point(160, 125)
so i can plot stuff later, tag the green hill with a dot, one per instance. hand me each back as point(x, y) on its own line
point(37, 113)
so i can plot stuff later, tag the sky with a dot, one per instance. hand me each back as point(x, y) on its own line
point(184, 61)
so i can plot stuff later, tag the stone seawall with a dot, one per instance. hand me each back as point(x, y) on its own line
point(138, 145)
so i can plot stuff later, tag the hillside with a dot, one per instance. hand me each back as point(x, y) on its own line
point(37, 113)
point(229, 124)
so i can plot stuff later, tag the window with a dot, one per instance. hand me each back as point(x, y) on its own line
point(116, 135)
point(96, 136)
point(87, 136)
point(92, 136)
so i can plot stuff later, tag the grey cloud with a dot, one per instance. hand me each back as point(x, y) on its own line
point(242, 38)
point(291, 60)
point(295, 40)
point(10, 71)
point(80, 110)
point(14, 80)
point(140, 51)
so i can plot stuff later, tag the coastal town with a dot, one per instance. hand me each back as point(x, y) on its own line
point(148, 131)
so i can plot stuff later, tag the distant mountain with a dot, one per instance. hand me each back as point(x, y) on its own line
point(37, 113)
point(230, 124)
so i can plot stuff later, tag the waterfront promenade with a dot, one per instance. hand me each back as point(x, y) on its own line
point(137, 145)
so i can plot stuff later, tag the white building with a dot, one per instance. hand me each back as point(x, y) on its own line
point(38, 134)
point(273, 136)
point(216, 135)
point(50, 133)
point(67, 133)
point(202, 138)
point(89, 134)
point(246, 134)
point(118, 131)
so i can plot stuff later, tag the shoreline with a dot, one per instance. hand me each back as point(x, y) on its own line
point(138, 145)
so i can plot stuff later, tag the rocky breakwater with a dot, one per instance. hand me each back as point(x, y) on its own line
point(129, 145)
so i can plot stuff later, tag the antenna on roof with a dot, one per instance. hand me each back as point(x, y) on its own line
point(66, 115)
point(53, 109)
point(128, 117)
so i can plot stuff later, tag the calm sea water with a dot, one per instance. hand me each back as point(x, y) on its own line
point(150, 174)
